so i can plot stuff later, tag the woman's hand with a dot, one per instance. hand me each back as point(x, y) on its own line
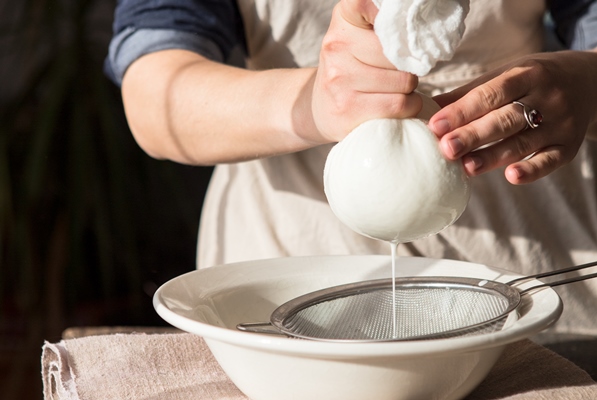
point(186, 108)
point(480, 123)
point(354, 81)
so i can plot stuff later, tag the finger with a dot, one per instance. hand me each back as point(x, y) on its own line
point(450, 97)
point(384, 81)
point(361, 108)
point(508, 151)
point(479, 101)
point(344, 112)
point(360, 13)
point(384, 105)
point(349, 59)
point(340, 72)
point(539, 165)
point(358, 40)
point(497, 125)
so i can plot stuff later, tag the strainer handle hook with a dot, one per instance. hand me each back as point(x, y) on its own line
point(258, 327)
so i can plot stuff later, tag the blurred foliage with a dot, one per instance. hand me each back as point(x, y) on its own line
point(89, 225)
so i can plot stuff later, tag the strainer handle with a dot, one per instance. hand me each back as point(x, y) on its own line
point(553, 273)
point(557, 272)
point(258, 327)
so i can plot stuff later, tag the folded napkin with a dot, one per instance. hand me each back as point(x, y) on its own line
point(179, 366)
point(134, 366)
point(416, 34)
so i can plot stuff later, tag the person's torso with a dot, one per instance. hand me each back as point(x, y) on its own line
point(282, 33)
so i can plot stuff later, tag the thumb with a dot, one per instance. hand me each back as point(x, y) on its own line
point(360, 13)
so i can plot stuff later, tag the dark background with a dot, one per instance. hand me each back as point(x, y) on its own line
point(89, 225)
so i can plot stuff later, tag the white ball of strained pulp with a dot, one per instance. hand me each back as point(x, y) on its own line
point(388, 180)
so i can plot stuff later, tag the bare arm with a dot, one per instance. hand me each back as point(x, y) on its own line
point(183, 107)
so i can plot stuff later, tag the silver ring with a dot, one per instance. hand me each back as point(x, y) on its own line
point(532, 116)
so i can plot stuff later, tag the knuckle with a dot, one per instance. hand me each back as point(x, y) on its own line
point(509, 122)
point(409, 82)
point(534, 67)
point(340, 105)
point(552, 160)
point(471, 137)
point(404, 106)
point(334, 97)
point(333, 76)
point(524, 146)
point(489, 96)
point(330, 44)
point(534, 71)
point(459, 115)
point(398, 105)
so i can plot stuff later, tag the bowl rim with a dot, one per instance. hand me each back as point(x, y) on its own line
point(528, 325)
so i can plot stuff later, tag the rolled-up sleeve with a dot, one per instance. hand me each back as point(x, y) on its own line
point(575, 22)
point(212, 28)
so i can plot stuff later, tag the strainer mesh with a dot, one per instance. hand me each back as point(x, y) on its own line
point(420, 312)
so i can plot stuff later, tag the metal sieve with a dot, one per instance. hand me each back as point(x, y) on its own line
point(418, 308)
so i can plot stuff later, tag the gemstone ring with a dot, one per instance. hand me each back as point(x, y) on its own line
point(532, 116)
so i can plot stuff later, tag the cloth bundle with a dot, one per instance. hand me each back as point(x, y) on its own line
point(388, 173)
point(416, 34)
point(179, 366)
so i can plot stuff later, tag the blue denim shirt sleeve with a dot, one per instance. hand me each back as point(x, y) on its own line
point(575, 22)
point(212, 28)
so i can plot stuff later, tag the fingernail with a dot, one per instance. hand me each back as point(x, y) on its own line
point(472, 163)
point(441, 127)
point(514, 174)
point(456, 146)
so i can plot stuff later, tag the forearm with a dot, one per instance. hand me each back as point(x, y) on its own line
point(185, 108)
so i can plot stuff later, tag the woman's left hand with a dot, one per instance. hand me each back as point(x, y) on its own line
point(480, 123)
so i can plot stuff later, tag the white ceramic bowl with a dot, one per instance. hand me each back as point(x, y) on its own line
point(211, 302)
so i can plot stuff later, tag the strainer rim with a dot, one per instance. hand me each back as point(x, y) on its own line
point(287, 310)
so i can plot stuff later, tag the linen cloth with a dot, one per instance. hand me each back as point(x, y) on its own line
point(415, 35)
point(179, 366)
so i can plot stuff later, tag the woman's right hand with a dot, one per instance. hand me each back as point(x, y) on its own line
point(188, 109)
point(355, 82)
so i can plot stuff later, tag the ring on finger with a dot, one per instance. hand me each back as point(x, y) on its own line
point(533, 117)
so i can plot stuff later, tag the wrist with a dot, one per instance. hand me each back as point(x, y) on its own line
point(301, 122)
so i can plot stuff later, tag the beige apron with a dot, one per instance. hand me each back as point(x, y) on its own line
point(276, 207)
